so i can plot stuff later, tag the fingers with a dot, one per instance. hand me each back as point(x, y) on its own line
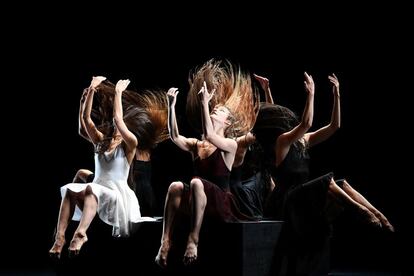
point(100, 78)
point(173, 91)
point(308, 78)
point(257, 77)
point(121, 85)
point(260, 78)
point(334, 80)
point(212, 92)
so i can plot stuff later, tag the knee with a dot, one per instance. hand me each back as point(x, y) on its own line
point(332, 184)
point(88, 190)
point(345, 184)
point(176, 188)
point(82, 175)
point(196, 184)
point(70, 194)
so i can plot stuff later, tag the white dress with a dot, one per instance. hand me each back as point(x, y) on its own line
point(117, 203)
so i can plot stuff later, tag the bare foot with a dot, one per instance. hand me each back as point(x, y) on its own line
point(370, 217)
point(76, 243)
point(161, 258)
point(56, 249)
point(190, 255)
point(385, 223)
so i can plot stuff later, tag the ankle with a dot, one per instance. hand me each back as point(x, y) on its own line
point(79, 234)
point(166, 242)
point(192, 239)
point(60, 237)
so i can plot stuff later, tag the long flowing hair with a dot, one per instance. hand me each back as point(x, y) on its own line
point(145, 113)
point(234, 90)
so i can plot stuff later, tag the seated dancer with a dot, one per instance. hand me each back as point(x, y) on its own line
point(109, 194)
point(153, 125)
point(301, 202)
point(249, 183)
point(208, 193)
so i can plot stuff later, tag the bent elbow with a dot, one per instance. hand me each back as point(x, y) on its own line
point(307, 124)
point(336, 126)
point(85, 117)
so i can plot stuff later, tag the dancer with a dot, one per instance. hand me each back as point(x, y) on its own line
point(153, 129)
point(109, 195)
point(298, 201)
point(208, 192)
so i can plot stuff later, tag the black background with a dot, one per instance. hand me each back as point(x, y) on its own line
point(54, 56)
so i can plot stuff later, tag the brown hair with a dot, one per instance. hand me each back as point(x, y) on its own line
point(145, 113)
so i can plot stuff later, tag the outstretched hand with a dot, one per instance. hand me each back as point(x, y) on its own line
point(121, 85)
point(205, 96)
point(335, 82)
point(309, 84)
point(172, 96)
point(96, 81)
point(264, 82)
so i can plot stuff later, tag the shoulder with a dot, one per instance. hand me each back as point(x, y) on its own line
point(232, 143)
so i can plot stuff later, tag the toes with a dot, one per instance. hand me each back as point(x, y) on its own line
point(56, 250)
point(189, 260)
point(389, 227)
point(73, 253)
point(376, 223)
point(161, 262)
point(54, 255)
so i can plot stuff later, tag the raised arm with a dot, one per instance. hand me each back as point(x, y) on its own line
point(128, 137)
point(94, 134)
point(182, 142)
point(223, 143)
point(264, 83)
point(82, 128)
point(285, 140)
point(325, 132)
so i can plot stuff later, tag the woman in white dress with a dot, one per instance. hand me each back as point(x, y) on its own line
point(108, 194)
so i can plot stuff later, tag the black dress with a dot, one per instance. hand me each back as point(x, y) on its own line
point(248, 192)
point(298, 201)
point(142, 186)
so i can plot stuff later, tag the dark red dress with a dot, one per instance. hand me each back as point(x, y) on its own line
point(215, 175)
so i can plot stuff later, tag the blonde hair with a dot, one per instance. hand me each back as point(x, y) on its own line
point(234, 90)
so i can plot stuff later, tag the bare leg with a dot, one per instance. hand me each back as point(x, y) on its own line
point(355, 195)
point(198, 204)
point(346, 200)
point(172, 203)
point(82, 176)
point(90, 206)
point(67, 208)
